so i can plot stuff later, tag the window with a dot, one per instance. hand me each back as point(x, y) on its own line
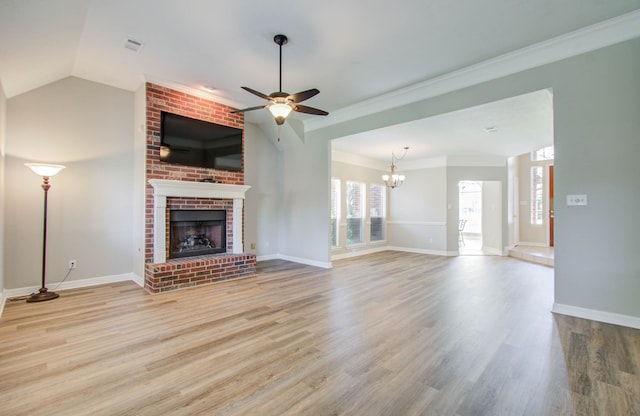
point(355, 213)
point(536, 195)
point(546, 153)
point(377, 211)
point(335, 211)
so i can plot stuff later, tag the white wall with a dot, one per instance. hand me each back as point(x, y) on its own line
point(418, 212)
point(89, 128)
point(263, 203)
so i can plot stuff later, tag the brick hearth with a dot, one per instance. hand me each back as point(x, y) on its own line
point(200, 270)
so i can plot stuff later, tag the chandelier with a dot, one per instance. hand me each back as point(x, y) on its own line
point(393, 179)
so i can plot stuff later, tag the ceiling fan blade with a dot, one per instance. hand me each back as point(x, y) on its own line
point(309, 110)
point(303, 95)
point(258, 107)
point(258, 93)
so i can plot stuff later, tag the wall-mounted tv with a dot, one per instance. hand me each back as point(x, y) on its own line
point(191, 142)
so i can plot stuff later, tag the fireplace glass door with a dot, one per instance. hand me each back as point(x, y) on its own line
point(197, 232)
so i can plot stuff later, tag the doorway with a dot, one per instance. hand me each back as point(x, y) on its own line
point(480, 217)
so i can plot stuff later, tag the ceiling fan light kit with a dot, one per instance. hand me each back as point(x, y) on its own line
point(281, 104)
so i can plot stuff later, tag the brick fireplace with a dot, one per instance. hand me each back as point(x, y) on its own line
point(175, 187)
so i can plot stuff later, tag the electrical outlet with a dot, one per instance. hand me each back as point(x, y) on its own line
point(253, 246)
point(72, 264)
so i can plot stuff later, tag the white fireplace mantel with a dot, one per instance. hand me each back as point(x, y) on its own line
point(167, 188)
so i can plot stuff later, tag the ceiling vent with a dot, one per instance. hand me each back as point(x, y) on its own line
point(133, 45)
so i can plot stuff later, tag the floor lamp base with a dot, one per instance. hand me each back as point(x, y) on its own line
point(42, 296)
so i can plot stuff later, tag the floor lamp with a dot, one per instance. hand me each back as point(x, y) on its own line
point(46, 171)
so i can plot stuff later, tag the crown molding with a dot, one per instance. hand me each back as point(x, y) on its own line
point(599, 35)
point(358, 160)
point(428, 163)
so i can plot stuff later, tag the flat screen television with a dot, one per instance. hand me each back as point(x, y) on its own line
point(190, 142)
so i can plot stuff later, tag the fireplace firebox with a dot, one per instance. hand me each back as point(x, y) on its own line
point(197, 232)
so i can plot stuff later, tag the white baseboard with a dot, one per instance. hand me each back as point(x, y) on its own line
point(424, 251)
point(596, 315)
point(493, 251)
point(73, 284)
point(300, 260)
point(267, 257)
point(360, 253)
point(3, 299)
point(524, 243)
point(309, 262)
point(357, 253)
point(137, 280)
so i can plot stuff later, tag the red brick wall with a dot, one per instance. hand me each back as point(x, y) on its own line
point(166, 99)
point(180, 273)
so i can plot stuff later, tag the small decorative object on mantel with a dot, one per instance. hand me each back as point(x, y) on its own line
point(393, 179)
point(46, 171)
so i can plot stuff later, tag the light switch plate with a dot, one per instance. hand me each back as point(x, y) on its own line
point(576, 200)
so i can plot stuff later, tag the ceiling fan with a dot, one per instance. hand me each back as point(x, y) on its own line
point(282, 103)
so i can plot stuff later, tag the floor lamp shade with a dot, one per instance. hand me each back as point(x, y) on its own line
point(46, 171)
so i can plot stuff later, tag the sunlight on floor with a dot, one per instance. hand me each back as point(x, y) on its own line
point(471, 245)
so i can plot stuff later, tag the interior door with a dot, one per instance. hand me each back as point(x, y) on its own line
point(551, 209)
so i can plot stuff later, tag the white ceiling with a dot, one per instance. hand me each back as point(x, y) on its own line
point(352, 51)
point(500, 129)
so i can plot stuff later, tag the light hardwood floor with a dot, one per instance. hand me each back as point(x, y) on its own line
point(385, 334)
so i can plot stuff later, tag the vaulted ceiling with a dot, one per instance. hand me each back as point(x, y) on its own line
point(353, 51)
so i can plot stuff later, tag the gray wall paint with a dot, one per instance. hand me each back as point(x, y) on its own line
point(304, 221)
point(3, 124)
point(597, 145)
point(89, 128)
point(596, 125)
point(493, 216)
point(262, 206)
point(418, 211)
point(139, 166)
